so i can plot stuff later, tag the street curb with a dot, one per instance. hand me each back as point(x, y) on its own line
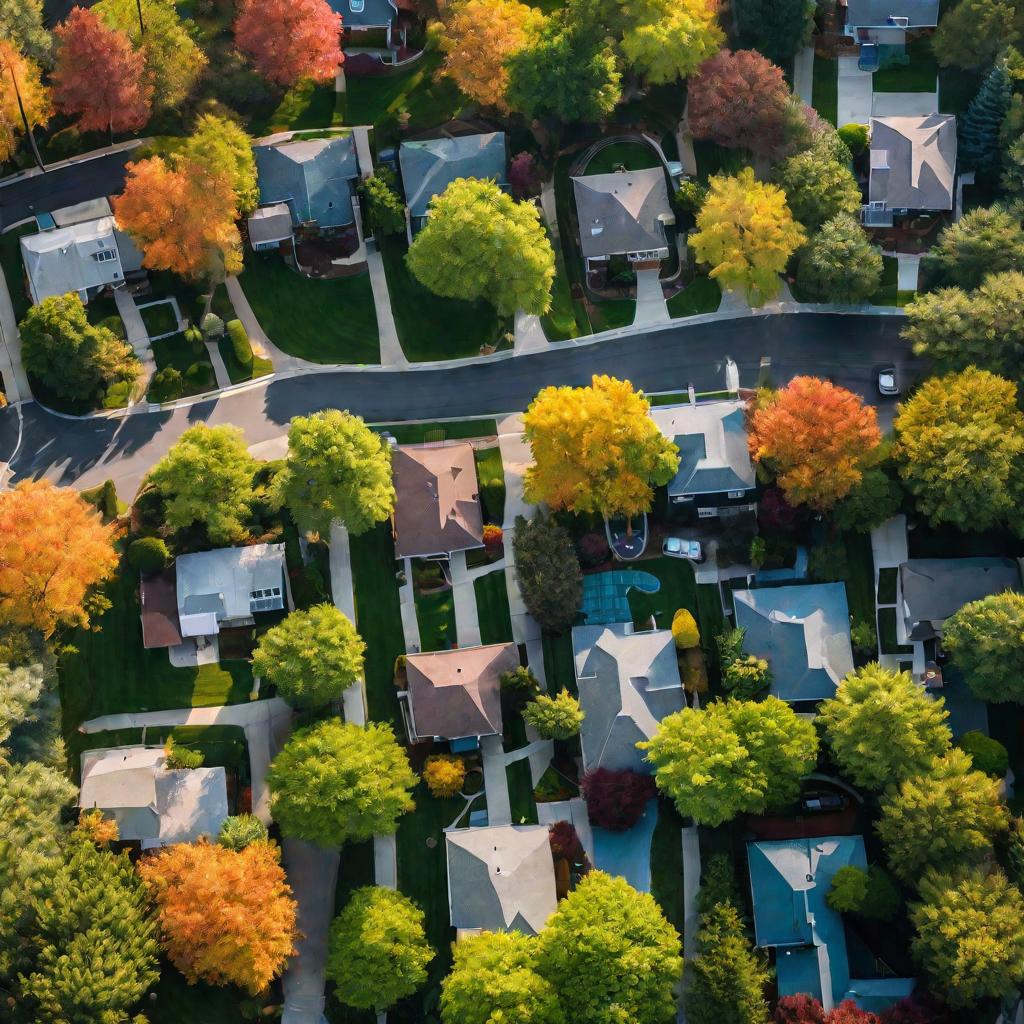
point(96, 154)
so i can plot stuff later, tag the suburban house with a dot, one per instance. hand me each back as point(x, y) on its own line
point(153, 805)
point(269, 226)
point(623, 213)
point(359, 16)
point(437, 500)
point(913, 167)
point(500, 878)
point(715, 475)
point(789, 882)
point(886, 22)
point(429, 166)
point(628, 682)
point(932, 589)
point(804, 634)
point(456, 695)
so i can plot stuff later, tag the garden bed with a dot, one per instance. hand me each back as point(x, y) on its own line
point(192, 362)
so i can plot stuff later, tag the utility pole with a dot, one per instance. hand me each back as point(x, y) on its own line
point(24, 119)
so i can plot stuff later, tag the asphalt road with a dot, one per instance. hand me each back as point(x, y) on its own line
point(847, 348)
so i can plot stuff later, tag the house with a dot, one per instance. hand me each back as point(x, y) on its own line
point(500, 878)
point(364, 15)
point(83, 257)
point(715, 475)
point(886, 22)
point(152, 804)
point(315, 178)
point(269, 226)
point(628, 682)
point(804, 634)
point(623, 213)
point(456, 695)
point(429, 166)
point(789, 882)
point(932, 589)
point(913, 167)
point(437, 500)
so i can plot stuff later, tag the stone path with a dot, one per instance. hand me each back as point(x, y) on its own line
point(499, 810)
point(803, 75)
point(651, 307)
point(854, 92)
point(135, 329)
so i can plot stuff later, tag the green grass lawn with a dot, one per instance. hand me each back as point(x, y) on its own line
point(611, 313)
point(667, 863)
point(558, 663)
point(678, 590)
point(178, 1002)
point(492, 608)
point(10, 261)
point(634, 156)
point(331, 321)
point(886, 294)
point(702, 295)
point(710, 617)
point(159, 319)
point(175, 351)
point(919, 75)
point(416, 433)
point(887, 586)
point(520, 793)
point(567, 317)
point(305, 106)
point(825, 88)
point(435, 614)
point(490, 475)
point(887, 633)
point(860, 576)
point(258, 367)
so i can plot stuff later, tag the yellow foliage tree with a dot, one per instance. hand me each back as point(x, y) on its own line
point(479, 36)
point(444, 774)
point(684, 629)
point(97, 828)
point(35, 97)
point(669, 39)
point(746, 234)
point(596, 449)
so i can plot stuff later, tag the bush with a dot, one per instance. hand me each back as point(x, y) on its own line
point(194, 337)
point(199, 377)
point(519, 679)
point(104, 499)
point(182, 757)
point(115, 325)
point(855, 136)
point(849, 890)
point(717, 884)
point(745, 677)
point(864, 638)
point(444, 774)
point(684, 629)
point(148, 554)
point(690, 196)
point(593, 549)
point(240, 343)
point(565, 842)
point(989, 755)
point(493, 537)
point(616, 800)
point(241, 830)
point(118, 394)
point(212, 326)
point(554, 718)
point(758, 552)
point(166, 385)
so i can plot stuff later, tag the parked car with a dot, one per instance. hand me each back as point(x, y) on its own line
point(677, 547)
point(888, 382)
point(822, 802)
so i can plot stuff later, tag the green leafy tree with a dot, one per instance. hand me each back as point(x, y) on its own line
point(743, 675)
point(987, 240)
point(207, 477)
point(777, 28)
point(987, 755)
point(479, 243)
point(869, 894)
point(242, 830)
point(876, 499)
point(547, 571)
point(223, 147)
point(969, 939)
point(148, 554)
point(555, 718)
point(840, 264)
point(337, 782)
point(311, 656)
point(377, 950)
point(337, 468)
point(494, 978)
point(610, 954)
point(882, 727)
point(21, 21)
point(855, 136)
point(943, 819)
point(979, 129)
point(818, 182)
point(734, 757)
point(973, 33)
point(384, 207)
point(986, 640)
point(667, 39)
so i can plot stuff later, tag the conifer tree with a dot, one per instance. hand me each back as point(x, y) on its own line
point(979, 130)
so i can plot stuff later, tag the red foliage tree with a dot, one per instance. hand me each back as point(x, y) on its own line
point(288, 40)
point(776, 515)
point(739, 100)
point(99, 75)
point(801, 1009)
point(523, 176)
point(848, 1012)
point(916, 1009)
point(615, 800)
point(493, 537)
point(565, 841)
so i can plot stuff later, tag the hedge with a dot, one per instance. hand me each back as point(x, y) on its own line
point(239, 342)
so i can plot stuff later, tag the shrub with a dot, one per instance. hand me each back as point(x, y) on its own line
point(855, 136)
point(554, 718)
point(199, 377)
point(194, 337)
point(494, 537)
point(747, 676)
point(717, 883)
point(212, 326)
point(115, 325)
point(444, 774)
point(241, 830)
point(989, 755)
point(166, 385)
point(684, 629)
point(758, 552)
point(593, 549)
point(849, 890)
point(616, 800)
point(864, 637)
point(690, 196)
point(523, 176)
point(148, 554)
point(182, 757)
point(118, 394)
point(520, 678)
point(104, 499)
point(565, 841)
point(240, 343)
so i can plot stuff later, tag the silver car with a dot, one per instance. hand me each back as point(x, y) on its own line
point(888, 382)
point(677, 547)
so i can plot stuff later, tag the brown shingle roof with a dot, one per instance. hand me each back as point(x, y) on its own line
point(159, 599)
point(437, 509)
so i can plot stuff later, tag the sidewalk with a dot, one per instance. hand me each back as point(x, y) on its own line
point(803, 75)
point(14, 376)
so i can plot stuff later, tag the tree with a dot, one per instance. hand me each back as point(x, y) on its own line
point(739, 100)
point(800, 1009)
point(173, 60)
point(20, 688)
point(959, 441)
point(288, 40)
point(979, 130)
point(227, 917)
point(523, 175)
point(35, 97)
point(819, 184)
point(444, 774)
point(54, 550)
point(876, 499)
point(969, 940)
point(334, 783)
point(882, 727)
point(242, 830)
point(734, 757)
point(973, 33)
point(385, 210)
point(616, 800)
point(665, 41)
point(855, 137)
point(479, 37)
point(554, 718)
point(610, 954)
point(778, 28)
point(840, 264)
point(547, 571)
point(815, 436)
point(378, 951)
point(479, 243)
point(987, 755)
point(684, 629)
point(743, 675)
point(849, 889)
point(223, 149)
point(21, 21)
point(337, 468)
point(943, 819)
point(494, 978)
point(596, 449)
point(99, 76)
point(987, 240)
point(206, 477)
point(986, 640)
point(70, 356)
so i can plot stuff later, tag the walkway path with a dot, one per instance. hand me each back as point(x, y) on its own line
point(908, 268)
point(361, 137)
point(261, 344)
point(854, 92)
point(391, 353)
point(499, 810)
point(220, 371)
point(407, 607)
point(651, 307)
point(135, 329)
point(354, 698)
point(803, 75)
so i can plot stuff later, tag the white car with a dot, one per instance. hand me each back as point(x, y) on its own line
point(676, 547)
point(888, 382)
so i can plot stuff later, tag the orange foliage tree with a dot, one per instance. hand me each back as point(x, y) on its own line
point(287, 40)
point(35, 97)
point(182, 217)
point(227, 917)
point(54, 549)
point(815, 437)
point(99, 75)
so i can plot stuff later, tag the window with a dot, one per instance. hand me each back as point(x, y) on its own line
point(736, 494)
point(105, 255)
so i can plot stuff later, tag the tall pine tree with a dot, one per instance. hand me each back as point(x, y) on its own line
point(979, 130)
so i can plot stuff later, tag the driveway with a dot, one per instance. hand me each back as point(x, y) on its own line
point(854, 93)
point(628, 853)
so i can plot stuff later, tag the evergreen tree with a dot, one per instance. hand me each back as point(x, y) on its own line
point(979, 128)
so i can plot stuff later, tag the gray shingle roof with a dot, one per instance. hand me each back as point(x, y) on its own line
point(431, 165)
point(270, 224)
point(876, 13)
point(913, 162)
point(620, 212)
point(365, 14)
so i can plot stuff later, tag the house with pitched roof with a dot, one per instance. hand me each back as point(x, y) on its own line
point(501, 878)
point(886, 22)
point(628, 682)
point(363, 15)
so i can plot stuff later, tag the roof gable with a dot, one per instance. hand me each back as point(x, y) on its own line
point(75, 258)
point(622, 211)
point(429, 166)
point(913, 161)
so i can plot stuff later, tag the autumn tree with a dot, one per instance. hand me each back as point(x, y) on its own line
point(311, 656)
point(444, 774)
point(986, 640)
point(777, 28)
point(972, 33)
point(547, 571)
point(223, 148)
point(840, 264)
point(554, 718)
point(336, 469)
point(882, 727)
point(99, 75)
point(338, 782)
point(479, 37)
point(684, 629)
point(479, 243)
point(666, 40)
point(227, 917)
point(378, 951)
point(207, 477)
point(288, 40)
point(22, 22)
point(815, 437)
point(987, 240)
point(35, 97)
point(596, 449)
point(818, 182)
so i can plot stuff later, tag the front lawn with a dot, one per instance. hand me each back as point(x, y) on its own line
point(332, 321)
point(492, 608)
point(490, 475)
point(825, 88)
point(567, 318)
point(634, 156)
point(558, 663)
point(196, 370)
point(159, 319)
point(417, 433)
point(258, 367)
point(702, 295)
point(667, 864)
point(520, 792)
point(10, 261)
point(920, 74)
point(678, 590)
point(609, 314)
point(435, 614)
point(305, 106)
